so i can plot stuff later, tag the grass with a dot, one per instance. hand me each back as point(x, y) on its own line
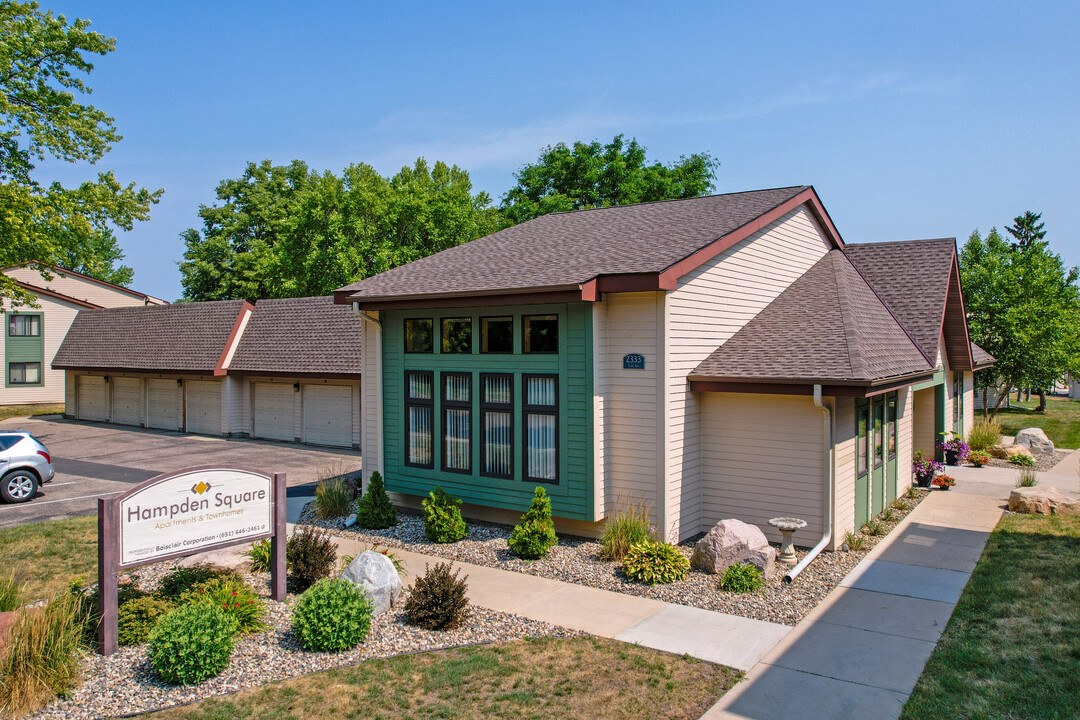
point(11, 411)
point(628, 526)
point(537, 678)
point(47, 555)
point(1012, 646)
point(1060, 422)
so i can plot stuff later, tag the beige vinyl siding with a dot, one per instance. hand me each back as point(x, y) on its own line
point(710, 305)
point(924, 436)
point(56, 318)
point(905, 451)
point(69, 392)
point(844, 469)
point(81, 288)
point(370, 396)
point(969, 402)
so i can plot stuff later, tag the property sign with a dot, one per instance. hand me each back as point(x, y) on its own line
point(633, 361)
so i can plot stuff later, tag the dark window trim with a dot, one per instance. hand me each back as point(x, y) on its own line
point(486, 407)
point(445, 405)
point(430, 405)
point(11, 323)
point(558, 332)
point(405, 337)
point(862, 409)
point(23, 383)
point(442, 349)
point(892, 401)
point(527, 410)
point(879, 457)
point(482, 318)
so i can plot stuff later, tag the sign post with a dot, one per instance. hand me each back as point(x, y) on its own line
point(183, 513)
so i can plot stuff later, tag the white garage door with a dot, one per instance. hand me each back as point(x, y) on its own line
point(92, 398)
point(203, 407)
point(274, 411)
point(163, 404)
point(127, 400)
point(328, 415)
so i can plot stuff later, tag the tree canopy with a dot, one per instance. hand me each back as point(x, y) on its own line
point(43, 61)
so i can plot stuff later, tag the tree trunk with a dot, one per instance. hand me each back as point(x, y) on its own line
point(986, 410)
point(1042, 401)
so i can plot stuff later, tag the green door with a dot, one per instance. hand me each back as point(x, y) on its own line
point(877, 479)
point(891, 469)
point(862, 463)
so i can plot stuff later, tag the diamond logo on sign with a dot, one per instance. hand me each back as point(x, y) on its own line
point(633, 361)
point(200, 488)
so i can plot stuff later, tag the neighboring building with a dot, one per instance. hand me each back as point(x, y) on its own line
point(725, 356)
point(32, 335)
point(1074, 386)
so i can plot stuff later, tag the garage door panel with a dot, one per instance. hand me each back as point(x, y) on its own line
point(163, 404)
point(328, 415)
point(93, 403)
point(273, 410)
point(203, 407)
point(127, 401)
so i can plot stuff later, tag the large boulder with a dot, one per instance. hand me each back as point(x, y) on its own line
point(1043, 500)
point(1034, 439)
point(1005, 452)
point(731, 542)
point(231, 558)
point(376, 574)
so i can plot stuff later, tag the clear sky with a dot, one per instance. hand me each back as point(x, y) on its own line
point(912, 119)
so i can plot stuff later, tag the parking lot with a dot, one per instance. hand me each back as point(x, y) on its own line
point(94, 460)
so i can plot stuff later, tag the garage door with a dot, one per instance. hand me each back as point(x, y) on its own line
point(92, 398)
point(163, 404)
point(127, 400)
point(328, 415)
point(274, 411)
point(203, 407)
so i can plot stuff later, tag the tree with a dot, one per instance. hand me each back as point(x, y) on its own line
point(1027, 230)
point(42, 59)
point(594, 175)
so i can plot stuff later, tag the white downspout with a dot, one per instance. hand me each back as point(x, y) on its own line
point(378, 378)
point(826, 420)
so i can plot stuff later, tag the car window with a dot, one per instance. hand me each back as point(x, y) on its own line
point(8, 441)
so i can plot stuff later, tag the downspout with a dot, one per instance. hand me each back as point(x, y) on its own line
point(378, 374)
point(826, 422)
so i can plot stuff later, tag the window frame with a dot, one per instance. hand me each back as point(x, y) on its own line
point(405, 336)
point(444, 406)
point(526, 410)
point(525, 334)
point(24, 383)
point(878, 408)
point(486, 407)
point(892, 422)
point(862, 440)
point(30, 316)
point(417, 402)
point(442, 335)
point(496, 352)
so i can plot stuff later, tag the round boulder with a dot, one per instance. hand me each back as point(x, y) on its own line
point(1043, 500)
point(731, 542)
point(1034, 439)
point(376, 574)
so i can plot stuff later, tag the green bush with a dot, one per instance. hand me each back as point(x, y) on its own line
point(1026, 478)
point(11, 592)
point(652, 563)
point(127, 590)
point(333, 498)
point(855, 541)
point(137, 618)
point(1022, 460)
point(179, 580)
point(192, 643)
point(261, 555)
point(375, 511)
point(741, 578)
point(310, 555)
point(984, 433)
point(442, 517)
point(873, 528)
point(332, 615)
point(624, 529)
point(438, 599)
point(535, 534)
point(234, 597)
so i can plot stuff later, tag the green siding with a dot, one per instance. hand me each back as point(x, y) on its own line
point(24, 349)
point(572, 497)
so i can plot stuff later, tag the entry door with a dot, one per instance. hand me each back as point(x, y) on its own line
point(891, 469)
point(877, 479)
point(862, 463)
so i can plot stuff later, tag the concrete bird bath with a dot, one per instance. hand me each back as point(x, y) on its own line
point(787, 526)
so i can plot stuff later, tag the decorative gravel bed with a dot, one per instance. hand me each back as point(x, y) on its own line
point(577, 560)
point(125, 683)
point(1044, 462)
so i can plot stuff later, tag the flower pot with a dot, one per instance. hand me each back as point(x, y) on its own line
point(944, 487)
point(951, 457)
point(923, 481)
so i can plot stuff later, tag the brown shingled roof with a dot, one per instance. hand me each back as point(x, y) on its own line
point(184, 337)
point(300, 336)
point(827, 327)
point(981, 358)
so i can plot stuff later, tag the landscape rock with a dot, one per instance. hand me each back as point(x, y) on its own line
point(1004, 452)
point(1043, 500)
point(375, 573)
point(731, 542)
point(225, 559)
point(1034, 439)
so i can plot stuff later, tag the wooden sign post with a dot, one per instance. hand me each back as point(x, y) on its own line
point(184, 513)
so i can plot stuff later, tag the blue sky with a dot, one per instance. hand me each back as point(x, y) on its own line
point(913, 119)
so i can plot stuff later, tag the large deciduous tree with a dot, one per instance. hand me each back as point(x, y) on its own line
point(43, 61)
point(594, 175)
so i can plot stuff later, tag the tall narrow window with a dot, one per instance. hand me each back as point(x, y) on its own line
point(457, 335)
point(419, 335)
point(879, 444)
point(541, 410)
point(419, 415)
point(540, 333)
point(457, 422)
point(862, 441)
point(890, 417)
point(497, 422)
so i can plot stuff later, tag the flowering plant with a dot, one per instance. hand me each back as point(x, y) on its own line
point(944, 481)
point(978, 458)
point(955, 447)
point(924, 468)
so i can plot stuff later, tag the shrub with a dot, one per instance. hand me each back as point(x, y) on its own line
point(854, 541)
point(654, 562)
point(332, 615)
point(984, 433)
point(899, 504)
point(127, 590)
point(1026, 478)
point(1022, 460)
point(535, 534)
point(438, 600)
point(41, 658)
point(741, 578)
point(375, 511)
point(873, 528)
point(192, 643)
point(442, 517)
point(911, 493)
point(234, 597)
point(181, 579)
point(11, 592)
point(629, 526)
point(978, 458)
point(887, 515)
point(137, 618)
point(332, 498)
point(261, 555)
point(310, 555)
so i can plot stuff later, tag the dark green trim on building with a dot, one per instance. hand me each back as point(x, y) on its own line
point(24, 350)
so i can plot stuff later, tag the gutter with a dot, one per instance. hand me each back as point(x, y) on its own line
point(363, 315)
point(826, 424)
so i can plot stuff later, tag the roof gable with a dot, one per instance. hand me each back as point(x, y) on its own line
point(300, 336)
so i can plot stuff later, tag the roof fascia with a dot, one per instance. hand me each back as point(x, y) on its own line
point(55, 295)
point(286, 374)
point(796, 386)
point(139, 371)
point(532, 297)
point(242, 318)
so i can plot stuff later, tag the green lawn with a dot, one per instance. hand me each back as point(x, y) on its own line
point(47, 555)
point(1012, 647)
point(1061, 421)
point(10, 411)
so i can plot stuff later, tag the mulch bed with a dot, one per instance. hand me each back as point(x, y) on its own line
point(1044, 462)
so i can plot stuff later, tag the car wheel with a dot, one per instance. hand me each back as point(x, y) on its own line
point(18, 486)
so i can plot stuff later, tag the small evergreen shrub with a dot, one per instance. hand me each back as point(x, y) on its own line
point(261, 555)
point(855, 541)
point(1026, 478)
point(11, 592)
point(310, 555)
point(192, 643)
point(1022, 460)
point(627, 527)
point(438, 600)
point(442, 517)
point(653, 563)
point(535, 534)
point(333, 498)
point(137, 618)
point(234, 597)
point(181, 579)
point(984, 433)
point(741, 578)
point(332, 615)
point(375, 511)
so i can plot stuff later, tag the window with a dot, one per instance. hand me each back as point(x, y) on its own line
point(541, 410)
point(497, 425)
point(879, 445)
point(457, 422)
point(890, 417)
point(497, 335)
point(862, 444)
point(419, 335)
point(24, 326)
point(958, 403)
point(419, 417)
point(24, 373)
point(541, 334)
point(457, 335)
